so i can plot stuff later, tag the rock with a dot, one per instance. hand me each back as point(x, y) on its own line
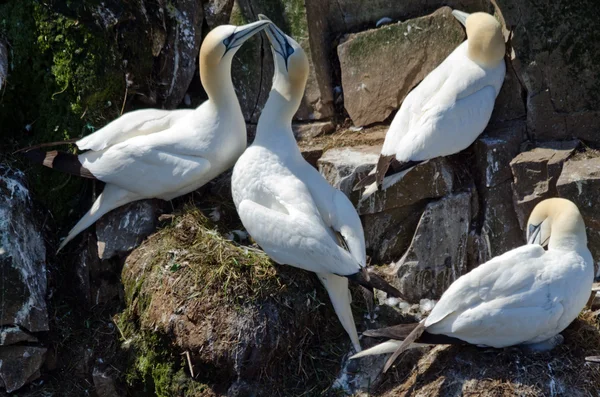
point(179, 56)
point(19, 365)
point(104, 383)
point(509, 104)
point(389, 216)
point(98, 280)
point(13, 335)
point(344, 167)
point(370, 62)
point(312, 154)
point(554, 44)
point(253, 73)
point(217, 12)
point(494, 150)
point(388, 233)
point(22, 256)
point(428, 180)
point(3, 63)
point(437, 255)
point(500, 229)
point(124, 228)
point(579, 182)
point(304, 132)
point(329, 19)
point(535, 174)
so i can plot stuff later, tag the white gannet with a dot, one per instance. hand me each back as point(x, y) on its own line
point(526, 296)
point(287, 206)
point(448, 110)
point(153, 153)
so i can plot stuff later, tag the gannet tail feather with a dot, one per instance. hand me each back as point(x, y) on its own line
point(373, 281)
point(111, 198)
point(61, 161)
point(397, 332)
point(41, 145)
point(337, 288)
point(383, 348)
point(401, 332)
point(406, 344)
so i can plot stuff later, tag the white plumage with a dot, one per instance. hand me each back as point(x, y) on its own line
point(154, 153)
point(288, 208)
point(448, 110)
point(525, 296)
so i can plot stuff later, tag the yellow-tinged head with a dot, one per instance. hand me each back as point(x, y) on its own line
point(484, 33)
point(553, 220)
point(291, 62)
point(218, 49)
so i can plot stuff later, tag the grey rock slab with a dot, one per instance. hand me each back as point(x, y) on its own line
point(437, 255)
point(22, 256)
point(20, 365)
point(535, 173)
point(381, 66)
point(124, 228)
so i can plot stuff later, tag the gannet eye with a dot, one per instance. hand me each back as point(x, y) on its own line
point(289, 49)
point(227, 41)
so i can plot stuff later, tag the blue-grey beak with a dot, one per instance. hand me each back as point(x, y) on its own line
point(278, 40)
point(243, 33)
point(461, 16)
point(534, 235)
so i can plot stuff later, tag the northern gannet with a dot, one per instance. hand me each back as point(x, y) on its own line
point(448, 110)
point(288, 208)
point(154, 153)
point(526, 296)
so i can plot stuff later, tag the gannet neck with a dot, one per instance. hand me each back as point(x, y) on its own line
point(216, 80)
point(558, 223)
point(485, 39)
point(568, 231)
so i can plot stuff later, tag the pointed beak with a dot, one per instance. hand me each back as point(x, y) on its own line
point(244, 32)
point(278, 39)
point(534, 235)
point(461, 16)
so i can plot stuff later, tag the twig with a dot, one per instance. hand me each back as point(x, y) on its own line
point(189, 361)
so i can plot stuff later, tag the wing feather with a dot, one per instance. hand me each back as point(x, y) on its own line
point(129, 125)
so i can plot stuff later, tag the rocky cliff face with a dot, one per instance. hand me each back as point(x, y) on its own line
point(195, 309)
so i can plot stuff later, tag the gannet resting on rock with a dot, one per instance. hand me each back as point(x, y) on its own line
point(287, 206)
point(154, 153)
point(448, 110)
point(526, 296)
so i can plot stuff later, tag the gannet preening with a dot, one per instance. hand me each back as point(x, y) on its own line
point(526, 296)
point(287, 206)
point(154, 153)
point(448, 110)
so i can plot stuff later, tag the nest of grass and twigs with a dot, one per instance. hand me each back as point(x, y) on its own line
point(473, 371)
point(204, 313)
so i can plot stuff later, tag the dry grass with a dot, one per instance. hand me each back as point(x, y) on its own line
point(237, 314)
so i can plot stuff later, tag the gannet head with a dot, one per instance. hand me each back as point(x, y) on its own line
point(484, 34)
point(291, 61)
point(554, 219)
point(218, 49)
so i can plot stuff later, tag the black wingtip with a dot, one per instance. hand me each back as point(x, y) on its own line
point(366, 181)
point(372, 281)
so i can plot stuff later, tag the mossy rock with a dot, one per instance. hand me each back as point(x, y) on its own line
point(235, 314)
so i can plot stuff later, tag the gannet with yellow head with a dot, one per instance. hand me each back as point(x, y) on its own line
point(154, 153)
point(287, 207)
point(526, 296)
point(448, 110)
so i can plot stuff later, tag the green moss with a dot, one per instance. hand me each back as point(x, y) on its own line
point(65, 81)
